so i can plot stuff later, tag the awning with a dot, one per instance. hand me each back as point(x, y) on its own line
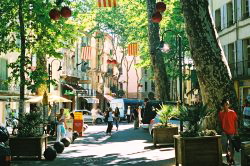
point(73, 87)
point(108, 97)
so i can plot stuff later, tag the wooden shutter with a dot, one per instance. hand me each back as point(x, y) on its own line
point(222, 17)
point(248, 7)
point(238, 9)
point(239, 57)
point(225, 15)
point(233, 10)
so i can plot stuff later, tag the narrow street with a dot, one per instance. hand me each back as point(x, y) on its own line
point(125, 147)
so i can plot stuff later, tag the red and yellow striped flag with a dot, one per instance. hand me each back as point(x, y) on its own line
point(86, 53)
point(133, 49)
point(106, 3)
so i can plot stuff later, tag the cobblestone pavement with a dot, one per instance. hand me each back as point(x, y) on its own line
point(125, 147)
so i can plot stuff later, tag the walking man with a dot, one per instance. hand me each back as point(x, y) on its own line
point(228, 119)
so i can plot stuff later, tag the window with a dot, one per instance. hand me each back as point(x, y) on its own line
point(218, 19)
point(145, 71)
point(245, 9)
point(230, 14)
point(3, 73)
point(146, 86)
point(85, 41)
point(231, 58)
point(152, 86)
point(246, 51)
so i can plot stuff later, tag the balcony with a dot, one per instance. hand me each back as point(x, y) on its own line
point(240, 70)
point(86, 93)
point(72, 73)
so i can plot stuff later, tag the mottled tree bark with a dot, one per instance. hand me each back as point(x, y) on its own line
point(213, 72)
point(162, 87)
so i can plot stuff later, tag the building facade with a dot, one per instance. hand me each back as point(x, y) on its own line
point(232, 21)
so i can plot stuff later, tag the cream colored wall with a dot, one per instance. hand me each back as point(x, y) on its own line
point(218, 3)
point(229, 35)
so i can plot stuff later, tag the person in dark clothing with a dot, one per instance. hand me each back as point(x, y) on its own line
point(136, 117)
point(110, 121)
point(117, 117)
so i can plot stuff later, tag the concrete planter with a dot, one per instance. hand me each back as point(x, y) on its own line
point(164, 135)
point(197, 151)
point(28, 146)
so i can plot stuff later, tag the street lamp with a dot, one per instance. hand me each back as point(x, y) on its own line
point(161, 47)
point(50, 71)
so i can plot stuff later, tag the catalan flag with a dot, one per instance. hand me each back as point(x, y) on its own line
point(106, 3)
point(86, 53)
point(133, 49)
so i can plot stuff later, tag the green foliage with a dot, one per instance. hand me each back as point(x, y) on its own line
point(193, 115)
point(30, 125)
point(34, 78)
point(166, 112)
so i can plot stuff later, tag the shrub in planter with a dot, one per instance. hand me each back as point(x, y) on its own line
point(30, 125)
point(195, 145)
point(30, 140)
point(163, 132)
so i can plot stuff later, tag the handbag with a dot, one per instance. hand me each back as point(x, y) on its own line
point(236, 143)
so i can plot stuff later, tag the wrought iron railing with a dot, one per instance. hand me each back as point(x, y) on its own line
point(240, 69)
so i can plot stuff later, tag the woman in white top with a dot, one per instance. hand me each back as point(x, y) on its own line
point(60, 130)
point(110, 121)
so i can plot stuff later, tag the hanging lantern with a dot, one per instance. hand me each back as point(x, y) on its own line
point(156, 17)
point(160, 6)
point(54, 14)
point(109, 61)
point(66, 12)
point(113, 62)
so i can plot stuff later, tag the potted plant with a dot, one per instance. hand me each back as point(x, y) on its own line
point(30, 140)
point(195, 146)
point(163, 131)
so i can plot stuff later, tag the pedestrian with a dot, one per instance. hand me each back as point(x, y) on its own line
point(61, 126)
point(229, 125)
point(136, 117)
point(94, 113)
point(117, 117)
point(109, 115)
point(128, 114)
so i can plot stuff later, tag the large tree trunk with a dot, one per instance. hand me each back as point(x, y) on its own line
point(162, 87)
point(22, 58)
point(213, 72)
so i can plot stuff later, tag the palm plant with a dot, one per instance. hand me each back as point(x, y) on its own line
point(193, 116)
point(166, 112)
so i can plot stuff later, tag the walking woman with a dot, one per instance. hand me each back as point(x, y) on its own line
point(110, 121)
point(61, 131)
point(117, 117)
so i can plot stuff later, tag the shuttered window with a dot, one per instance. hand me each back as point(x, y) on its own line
point(218, 19)
point(3, 73)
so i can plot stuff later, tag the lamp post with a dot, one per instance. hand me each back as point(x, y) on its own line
point(50, 71)
point(179, 41)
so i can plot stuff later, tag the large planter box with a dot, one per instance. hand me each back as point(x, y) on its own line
point(28, 146)
point(198, 151)
point(164, 135)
